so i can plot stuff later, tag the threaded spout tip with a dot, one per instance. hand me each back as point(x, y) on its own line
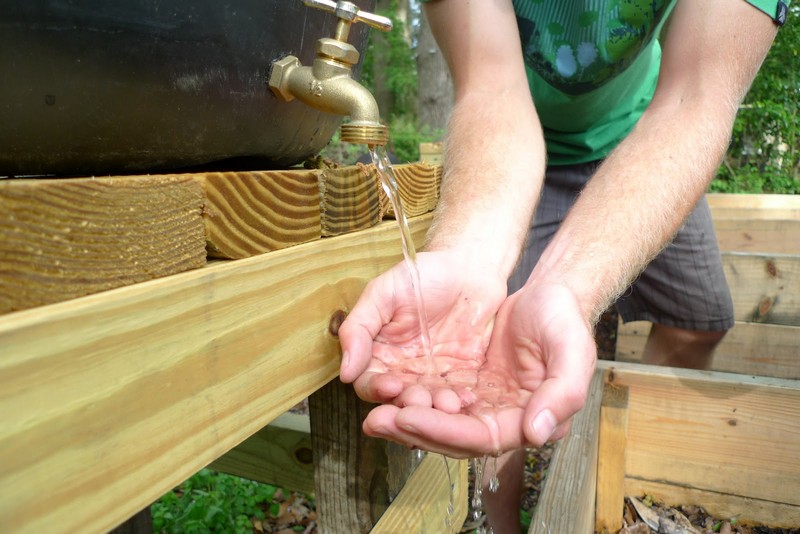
point(365, 134)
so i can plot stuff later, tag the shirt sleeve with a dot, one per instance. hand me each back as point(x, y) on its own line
point(777, 10)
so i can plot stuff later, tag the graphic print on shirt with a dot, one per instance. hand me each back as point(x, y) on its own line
point(577, 45)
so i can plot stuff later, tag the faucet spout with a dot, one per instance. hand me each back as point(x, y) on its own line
point(329, 87)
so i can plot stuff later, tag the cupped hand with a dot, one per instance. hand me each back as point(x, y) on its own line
point(383, 350)
point(535, 378)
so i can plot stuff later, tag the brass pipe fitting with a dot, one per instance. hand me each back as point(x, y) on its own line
point(328, 85)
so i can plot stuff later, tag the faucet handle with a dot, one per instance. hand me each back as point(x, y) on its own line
point(350, 12)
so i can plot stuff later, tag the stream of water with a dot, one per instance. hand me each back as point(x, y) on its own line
point(388, 182)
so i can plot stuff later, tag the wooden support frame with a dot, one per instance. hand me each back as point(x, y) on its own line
point(613, 437)
point(196, 362)
point(722, 441)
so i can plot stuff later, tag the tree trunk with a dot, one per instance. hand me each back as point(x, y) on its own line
point(435, 84)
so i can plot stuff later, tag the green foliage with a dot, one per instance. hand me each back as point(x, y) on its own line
point(213, 502)
point(764, 154)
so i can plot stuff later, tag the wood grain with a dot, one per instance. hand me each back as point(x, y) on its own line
point(747, 348)
point(567, 500)
point(713, 432)
point(422, 504)
point(63, 239)
point(765, 287)
point(754, 206)
point(419, 189)
point(612, 441)
point(349, 199)
point(758, 235)
point(278, 454)
point(111, 400)
point(248, 213)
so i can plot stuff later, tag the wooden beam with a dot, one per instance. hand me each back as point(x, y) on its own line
point(422, 505)
point(63, 239)
point(278, 454)
point(748, 348)
point(419, 189)
point(248, 213)
point(724, 505)
point(195, 362)
point(567, 500)
point(356, 476)
point(758, 235)
point(713, 432)
point(754, 206)
point(613, 436)
point(349, 199)
point(765, 287)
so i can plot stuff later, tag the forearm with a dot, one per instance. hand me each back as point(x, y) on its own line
point(636, 202)
point(494, 166)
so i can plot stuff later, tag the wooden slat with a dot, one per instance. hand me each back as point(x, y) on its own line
point(765, 287)
point(63, 239)
point(748, 348)
point(248, 213)
point(567, 500)
point(613, 436)
point(723, 505)
point(754, 206)
point(110, 400)
point(349, 199)
point(758, 235)
point(355, 476)
point(279, 454)
point(423, 502)
point(419, 189)
point(713, 431)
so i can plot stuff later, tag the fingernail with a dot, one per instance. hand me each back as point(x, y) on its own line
point(409, 428)
point(544, 424)
point(345, 360)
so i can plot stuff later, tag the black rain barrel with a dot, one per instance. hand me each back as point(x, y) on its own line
point(122, 86)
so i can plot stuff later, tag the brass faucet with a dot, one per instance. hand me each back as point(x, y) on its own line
point(328, 85)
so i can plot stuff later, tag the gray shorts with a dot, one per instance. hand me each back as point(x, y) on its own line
point(683, 287)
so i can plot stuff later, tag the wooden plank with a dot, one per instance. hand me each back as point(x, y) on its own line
point(63, 239)
point(765, 287)
point(723, 505)
point(279, 454)
point(355, 476)
point(712, 431)
point(758, 235)
point(349, 199)
point(613, 435)
point(195, 362)
point(747, 348)
point(567, 500)
point(248, 213)
point(423, 502)
point(419, 189)
point(432, 153)
point(754, 206)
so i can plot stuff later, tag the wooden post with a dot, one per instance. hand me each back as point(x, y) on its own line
point(356, 477)
point(611, 458)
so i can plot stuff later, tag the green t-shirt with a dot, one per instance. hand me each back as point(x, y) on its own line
point(592, 66)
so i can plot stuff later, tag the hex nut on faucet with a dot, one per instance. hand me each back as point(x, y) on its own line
point(338, 50)
point(279, 77)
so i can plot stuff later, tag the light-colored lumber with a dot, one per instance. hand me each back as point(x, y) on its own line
point(419, 189)
point(713, 431)
point(613, 436)
point(248, 213)
point(747, 348)
point(432, 153)
point(721, 505)
point(567, 500)
point(765, 287)
point(754, 206)
point(63, 239)
point(355, 476)
point(422, 505)
point(278, 454)
point(109, 401)
point(758, 235)
point(349, 199)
